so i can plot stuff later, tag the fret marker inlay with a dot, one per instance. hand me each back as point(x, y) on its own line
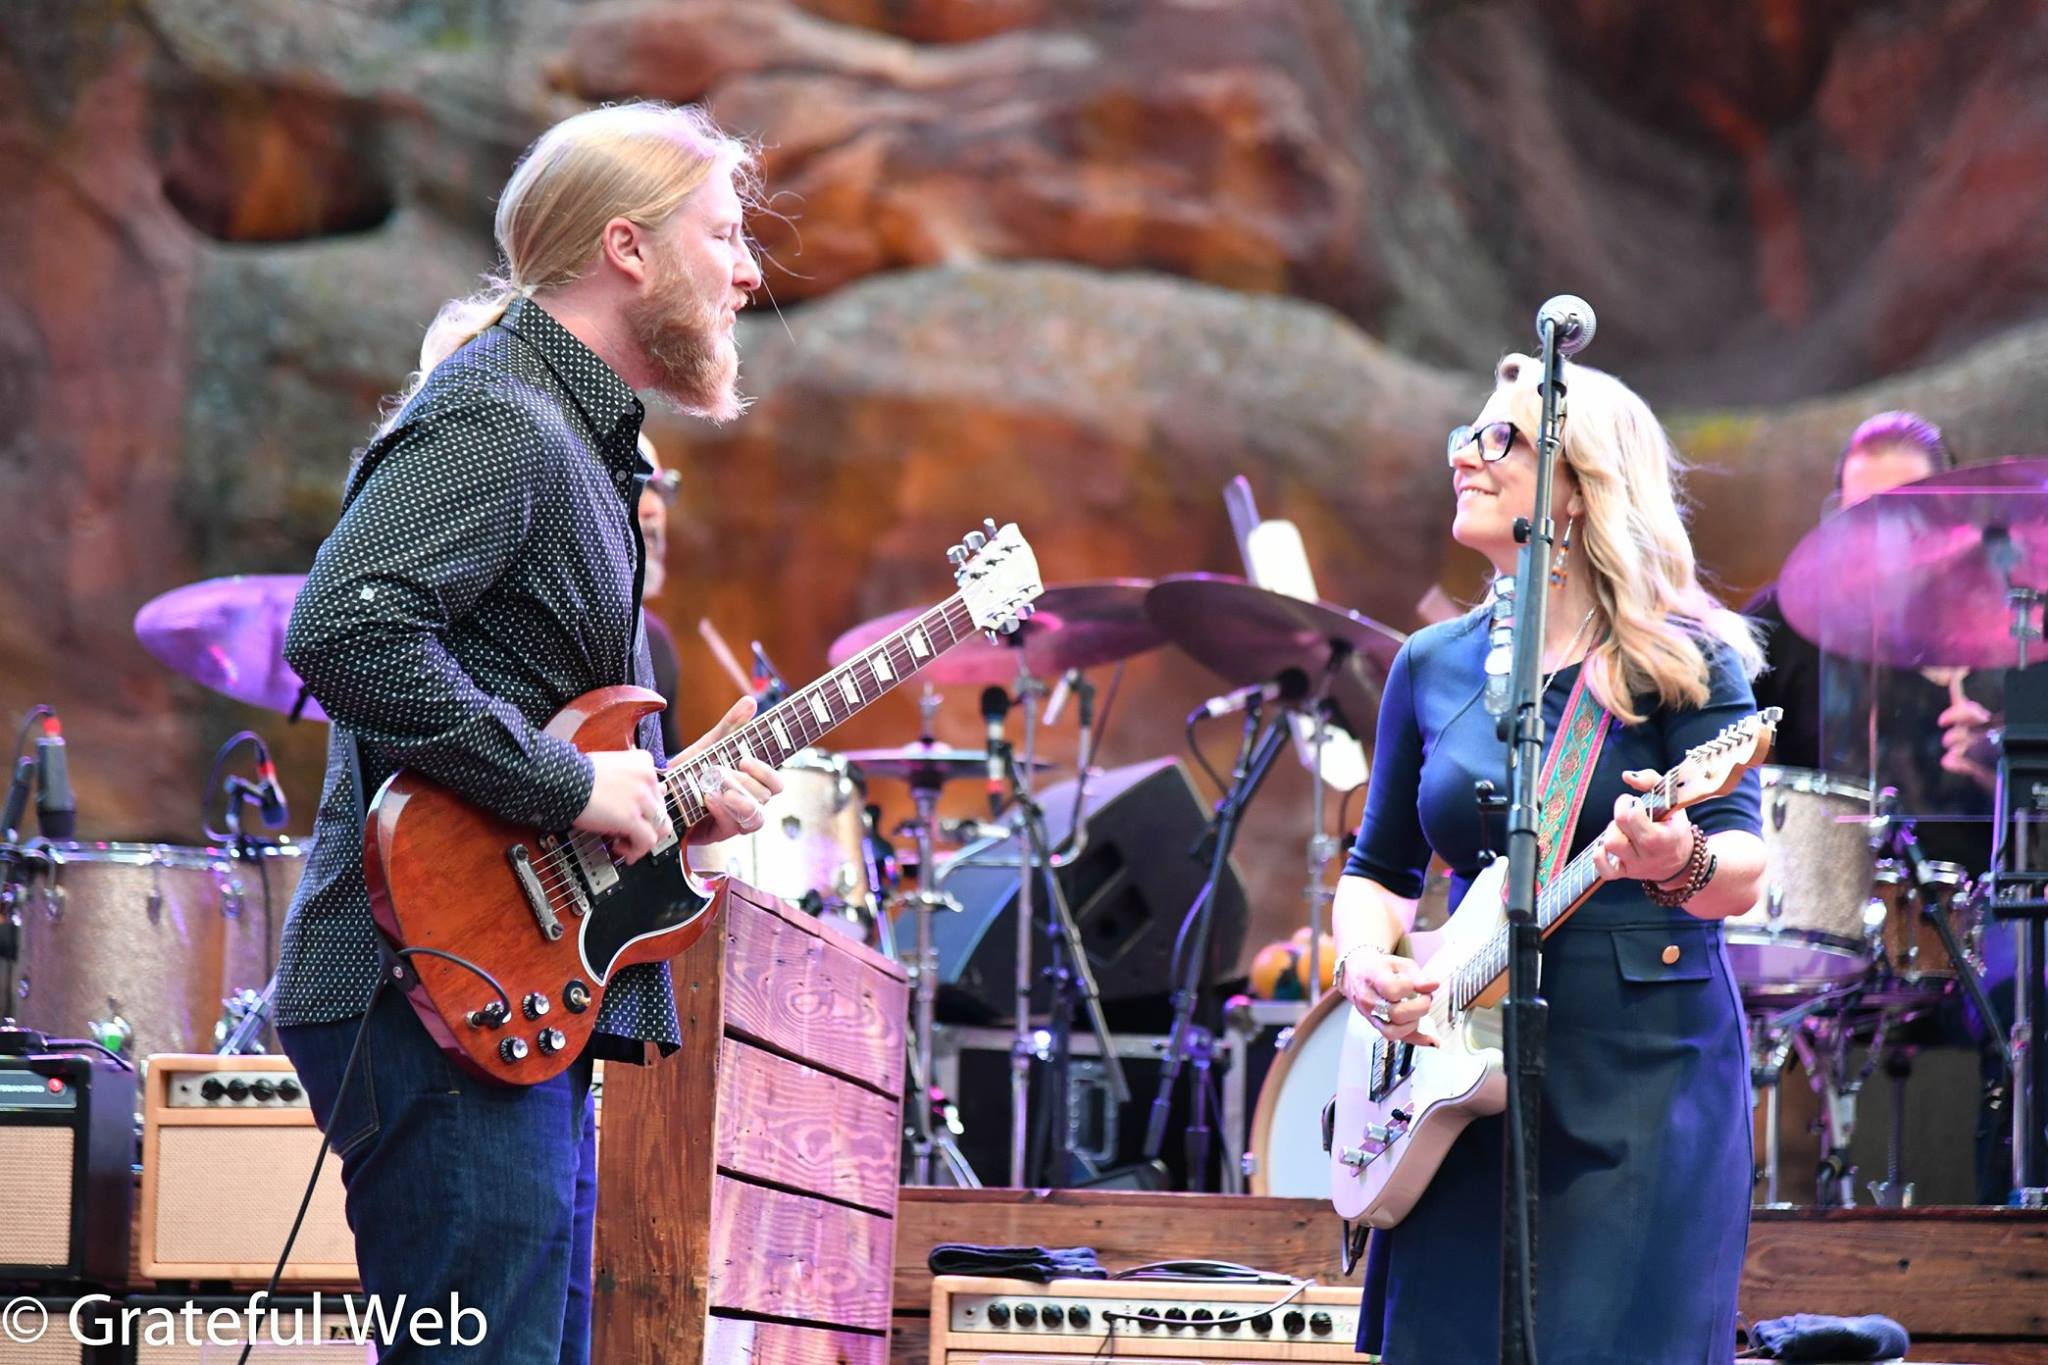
point(919, 646)
point(879, 663)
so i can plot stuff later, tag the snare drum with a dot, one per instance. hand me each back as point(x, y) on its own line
point(1810, 932)
point(813, 839)
point(125, 941)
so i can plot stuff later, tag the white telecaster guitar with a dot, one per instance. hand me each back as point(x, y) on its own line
point(1398, 1106)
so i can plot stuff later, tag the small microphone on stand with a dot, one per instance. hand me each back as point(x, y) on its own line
point(995, 710)
point(1290, 686)
point(56, 808)
point(276, 811)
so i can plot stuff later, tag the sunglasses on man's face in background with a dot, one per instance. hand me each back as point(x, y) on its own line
point(665, 484)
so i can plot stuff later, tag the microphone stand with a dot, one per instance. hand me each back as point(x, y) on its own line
point(1187, 1041)
point(1524, 1014)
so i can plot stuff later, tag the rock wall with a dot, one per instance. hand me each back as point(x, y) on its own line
point(1070, 263)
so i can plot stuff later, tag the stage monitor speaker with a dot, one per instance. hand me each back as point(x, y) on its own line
point(227, 1145)
point(67, 1148)
point(1129, 890)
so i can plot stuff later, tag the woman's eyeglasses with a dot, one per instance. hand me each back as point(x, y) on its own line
point(1494, 440)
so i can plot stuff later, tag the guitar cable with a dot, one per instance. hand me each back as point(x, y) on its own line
point(396, 970)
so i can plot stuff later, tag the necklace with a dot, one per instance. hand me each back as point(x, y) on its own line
point(1569, 646)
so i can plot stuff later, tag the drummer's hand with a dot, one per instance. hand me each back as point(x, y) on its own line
point(734, 804)
point(1392, 992)
point(1637, 848)
point(1966, 741)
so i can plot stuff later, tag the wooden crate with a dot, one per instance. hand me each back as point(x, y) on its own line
point(747, 1199)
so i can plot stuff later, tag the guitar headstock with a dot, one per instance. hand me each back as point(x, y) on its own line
point(1714, 768)
point(998, 577)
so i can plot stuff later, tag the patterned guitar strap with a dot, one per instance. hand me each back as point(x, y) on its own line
point(1567, 776)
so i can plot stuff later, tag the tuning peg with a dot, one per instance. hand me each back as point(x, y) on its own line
point(988, 527)
point(974, 541)
point(957, 556)
point(1027, 611)
point(1010, 626)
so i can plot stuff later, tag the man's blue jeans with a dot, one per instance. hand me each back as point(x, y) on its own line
point(458, 1186)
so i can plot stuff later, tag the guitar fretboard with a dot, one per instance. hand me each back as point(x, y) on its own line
point(1567, 889)
point(807, 715)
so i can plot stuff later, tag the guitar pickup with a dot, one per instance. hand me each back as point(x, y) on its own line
point(536, 895)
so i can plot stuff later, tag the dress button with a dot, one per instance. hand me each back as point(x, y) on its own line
point(1670, 953)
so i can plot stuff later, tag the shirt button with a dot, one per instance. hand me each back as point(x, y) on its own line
point(1670, 953)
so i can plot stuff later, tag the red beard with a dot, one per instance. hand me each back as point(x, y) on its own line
point(696, 364)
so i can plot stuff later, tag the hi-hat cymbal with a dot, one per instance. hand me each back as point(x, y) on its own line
point(1076, 625)
point(227, 634)
point(1917, 576)
point(926, 764)
point(1248, 635)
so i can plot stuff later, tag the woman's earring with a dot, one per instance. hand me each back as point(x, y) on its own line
point(1561, 561)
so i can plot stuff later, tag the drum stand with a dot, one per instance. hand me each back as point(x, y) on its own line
point(924, 976)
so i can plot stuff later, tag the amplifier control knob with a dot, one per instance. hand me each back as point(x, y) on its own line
point(288, 1090)
point(1176, 1318)
point(1027, 1316)
point(1293, 1323)
point(238, 1090)
point(211, 1089)
point(1320, 1324)
point(512, 1050)
point(999, 1315)
point(1079, 1315)
point(1201, 1317)
point(1054, 1315)
point(551, 1040)
point(1231, 1323)
point(1148, 1319)
point(576, 996)
point(1263, 1323)
point(264, 1090)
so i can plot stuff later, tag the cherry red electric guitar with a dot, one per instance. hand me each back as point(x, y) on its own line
point(509, 935)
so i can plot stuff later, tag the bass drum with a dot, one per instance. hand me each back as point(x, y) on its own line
point(257, 890)
point(1286, 1139)
point(812, 848)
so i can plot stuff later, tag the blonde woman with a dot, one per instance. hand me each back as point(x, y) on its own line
point(1645, 1163)
point(485, 571)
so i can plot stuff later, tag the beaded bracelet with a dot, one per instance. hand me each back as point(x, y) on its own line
point(1700, 865)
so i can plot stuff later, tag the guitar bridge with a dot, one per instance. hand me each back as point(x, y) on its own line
point(536, 895)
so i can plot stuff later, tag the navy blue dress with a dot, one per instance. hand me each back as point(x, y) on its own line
point(1644, 1173)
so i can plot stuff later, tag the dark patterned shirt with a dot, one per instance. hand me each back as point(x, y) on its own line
point(485, 572)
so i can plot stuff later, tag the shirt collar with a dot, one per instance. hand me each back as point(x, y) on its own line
point(608, 404)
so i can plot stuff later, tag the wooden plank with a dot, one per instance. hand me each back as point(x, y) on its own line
point(651, 1293)
point(786, 1256)
point(867, 957)
point(783, 1122)
point(789, 988)
point(1126, 1228)
point(742, 1341)
point(1964, 1273)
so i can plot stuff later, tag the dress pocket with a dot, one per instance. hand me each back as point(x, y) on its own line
point(1653, 955)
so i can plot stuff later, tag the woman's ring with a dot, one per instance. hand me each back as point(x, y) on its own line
point(1383, 1014)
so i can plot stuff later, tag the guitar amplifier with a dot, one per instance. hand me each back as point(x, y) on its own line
point(978, 1321)
point(38, 1331)
point(227, 1145)
point(67, 1146)
point(181, 1330)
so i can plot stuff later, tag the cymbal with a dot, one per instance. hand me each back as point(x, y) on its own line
point(227, 634)
point(1916, 576)
point(1248, 635)
point(926, 763)
point(1076, 625)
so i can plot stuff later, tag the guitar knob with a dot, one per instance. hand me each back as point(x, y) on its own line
point(551, 1040)
point(576, 996)
point(512, 1050)
point(535, 1004)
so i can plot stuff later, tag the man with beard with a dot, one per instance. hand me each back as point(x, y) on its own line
point(485, 570)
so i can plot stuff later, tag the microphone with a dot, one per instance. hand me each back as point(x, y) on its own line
point(1571, 319)
point(1056, 704)
point(17, 799)
point(270, 794)
point(1500, 640)
point(1290, 685)
point(56, 808)
point(995, 709)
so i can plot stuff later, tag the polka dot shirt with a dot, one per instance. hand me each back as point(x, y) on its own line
point(485, 571)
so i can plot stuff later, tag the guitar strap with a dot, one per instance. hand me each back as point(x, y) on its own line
point(1568, 775)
